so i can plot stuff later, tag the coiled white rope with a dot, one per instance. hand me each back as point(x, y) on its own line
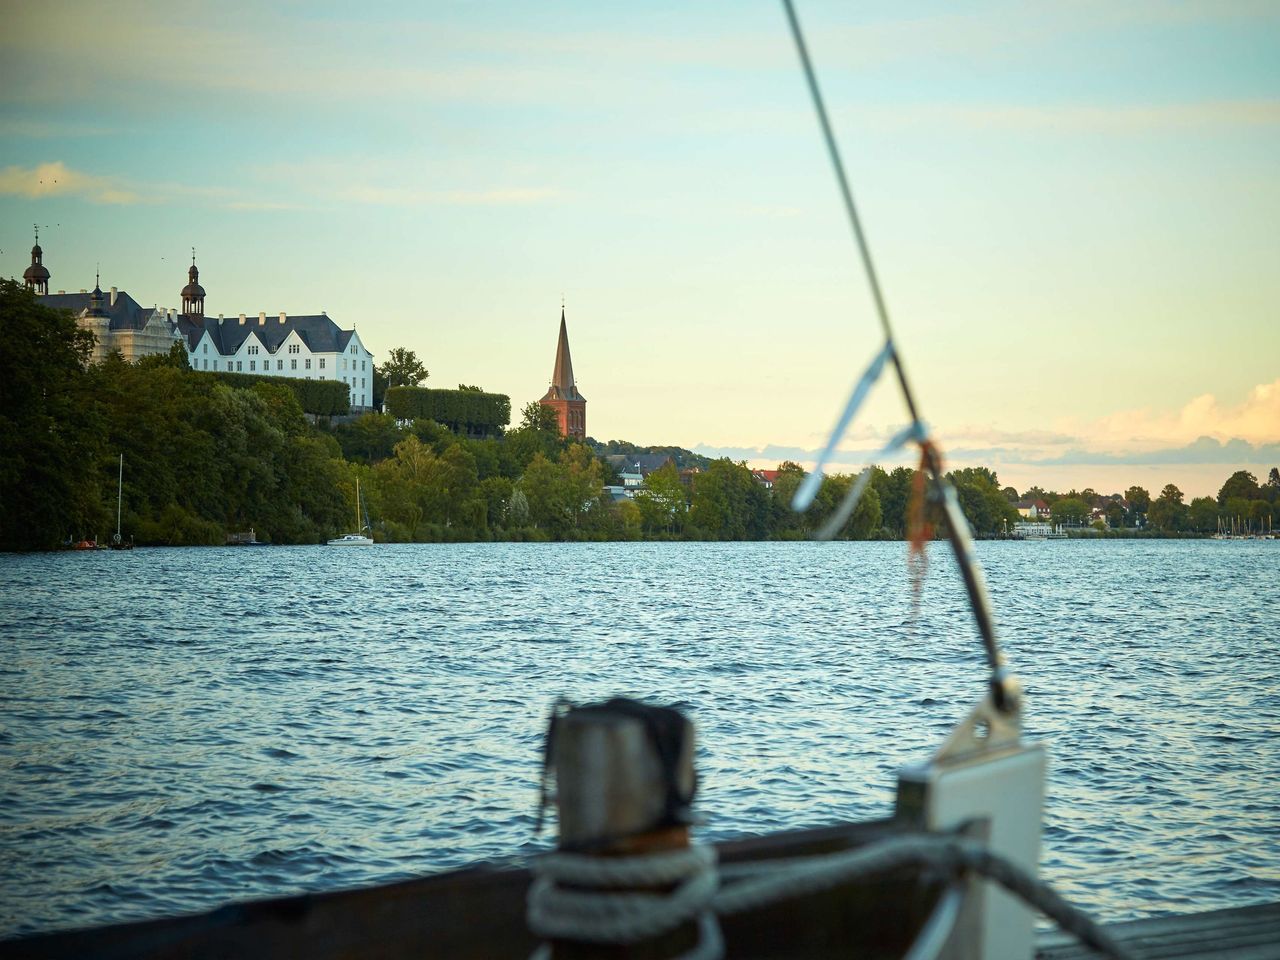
point(603, 913)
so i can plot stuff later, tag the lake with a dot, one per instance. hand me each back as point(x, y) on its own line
point(184, 727)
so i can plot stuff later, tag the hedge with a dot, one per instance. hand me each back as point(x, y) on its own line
point(325, 398)
point(461, 410)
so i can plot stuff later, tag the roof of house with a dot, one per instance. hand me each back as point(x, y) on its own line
point(768, 476)
point(125, 314)
point(318, 332)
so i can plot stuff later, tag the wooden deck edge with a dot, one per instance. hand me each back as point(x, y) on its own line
point(1247, 933)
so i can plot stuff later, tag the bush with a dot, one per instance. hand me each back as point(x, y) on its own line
point(324, 398)
point(463, 411)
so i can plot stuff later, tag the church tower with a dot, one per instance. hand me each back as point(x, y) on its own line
point(36, 276)
point(193, 293)
point(563, 396)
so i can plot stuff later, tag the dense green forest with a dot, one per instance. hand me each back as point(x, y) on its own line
point(205, 456)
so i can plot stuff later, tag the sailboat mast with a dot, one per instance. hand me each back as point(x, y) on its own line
point(119, 496)
point(359, 529)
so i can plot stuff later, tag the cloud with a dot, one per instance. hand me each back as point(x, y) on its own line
point(57, 179)
point(1256, 419)
point(1203, 450)
point(1203, 431)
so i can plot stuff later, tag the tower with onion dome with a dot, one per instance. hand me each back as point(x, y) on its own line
point(193, 293)
point(36, 276)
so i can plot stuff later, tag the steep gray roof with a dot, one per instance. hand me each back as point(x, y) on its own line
point(318, 332)
point(126, 314)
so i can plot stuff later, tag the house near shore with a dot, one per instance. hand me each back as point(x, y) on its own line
point(1033, 509)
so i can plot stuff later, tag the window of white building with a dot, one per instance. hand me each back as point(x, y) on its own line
point(322, 363)
point(252, 363)
point(239, 366)
point(279, 364)
point(293, 364)
point(308, 363)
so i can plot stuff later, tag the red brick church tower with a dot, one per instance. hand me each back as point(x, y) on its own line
point(563, 397)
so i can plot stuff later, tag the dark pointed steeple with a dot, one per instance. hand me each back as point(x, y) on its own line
point(563, 396)
point(36, 276)
point(562, 374)
point(95, 298)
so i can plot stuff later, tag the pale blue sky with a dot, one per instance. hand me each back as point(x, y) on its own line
point(1073, 206)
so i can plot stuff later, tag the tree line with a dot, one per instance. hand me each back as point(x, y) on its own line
point(205, 457)
point(1242, 502)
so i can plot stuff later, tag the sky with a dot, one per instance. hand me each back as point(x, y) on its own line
point(1073, 208)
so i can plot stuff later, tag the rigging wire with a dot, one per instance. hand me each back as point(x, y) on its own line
point(1003, 687)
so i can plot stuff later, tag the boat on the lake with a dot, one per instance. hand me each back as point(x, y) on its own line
point(354, 539)
point(117, 540)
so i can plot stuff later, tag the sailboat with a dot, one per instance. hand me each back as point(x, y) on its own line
point(117, 541)
point(354, 539)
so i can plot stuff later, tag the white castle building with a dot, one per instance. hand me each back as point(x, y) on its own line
point(310, 347)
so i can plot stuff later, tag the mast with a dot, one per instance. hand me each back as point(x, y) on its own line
point(119, 496)
point(359, 528)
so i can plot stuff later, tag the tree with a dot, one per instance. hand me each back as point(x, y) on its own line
point(402, 369)
point(1168, 512)
point(49, 426)
point(784, 522)
point(369, 438)
point(1139, 503)
point(866, 517)
point(1070, 510)
point(538, 433)
point(894, 489)
point(985, 507)
point(1139, 499)
point(1115, 514)
point(1202, 514)
point(662, 501)
point(540, 417)
point(1241, 484)
point(727, 503)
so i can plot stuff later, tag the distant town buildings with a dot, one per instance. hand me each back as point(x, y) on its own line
point(563, 396)
point(307, 346)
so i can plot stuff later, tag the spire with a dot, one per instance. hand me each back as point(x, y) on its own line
point(563, 396)
point(95, 299)
point(562, 375)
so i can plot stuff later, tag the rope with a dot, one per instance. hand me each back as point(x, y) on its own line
point(601, 914)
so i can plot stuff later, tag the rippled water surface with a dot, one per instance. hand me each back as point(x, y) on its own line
point(179, 728)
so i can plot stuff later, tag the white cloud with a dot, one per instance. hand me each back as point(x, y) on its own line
point(1203, 431)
